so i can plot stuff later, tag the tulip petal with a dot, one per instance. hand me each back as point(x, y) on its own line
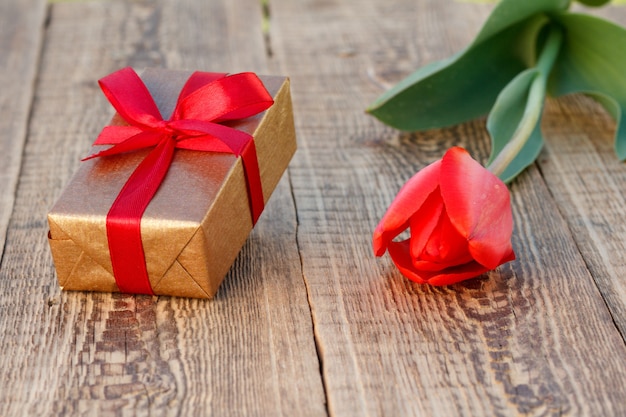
point(451, 246)
point(445, 248)
point(408, 201)
point(400, 254)
point(424, 222)
point(457, 274)
point(478, 205)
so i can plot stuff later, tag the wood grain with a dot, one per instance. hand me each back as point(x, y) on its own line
point(527, 339)
point(588, 182)
point(247, 352)
point(308, 322)
point(21, 26)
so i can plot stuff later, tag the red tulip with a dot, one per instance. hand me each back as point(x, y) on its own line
point(460, 221)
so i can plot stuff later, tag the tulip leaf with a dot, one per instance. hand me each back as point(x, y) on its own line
point(518, 109)
point(594, 3)
point(593, 61)
point(510, 12)
point(466, 86)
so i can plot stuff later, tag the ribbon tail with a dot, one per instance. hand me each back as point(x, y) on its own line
point(112, 135)
point(123, 221)
point(139, 141)
point(237, 142)
point(253, 180)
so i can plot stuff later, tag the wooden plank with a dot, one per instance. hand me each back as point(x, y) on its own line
point(21, 26)
point(589, 184)
point(250, 351)
point(532, 338)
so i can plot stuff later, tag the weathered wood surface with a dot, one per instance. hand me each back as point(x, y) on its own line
point(21, 25)
point(308, 322)
point(101, 354)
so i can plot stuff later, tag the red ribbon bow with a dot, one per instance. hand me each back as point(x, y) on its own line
point(206, 100)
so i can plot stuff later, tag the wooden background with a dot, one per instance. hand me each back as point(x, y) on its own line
point(308, 322)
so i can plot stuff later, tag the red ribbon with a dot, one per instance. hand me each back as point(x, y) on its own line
point(206, 100)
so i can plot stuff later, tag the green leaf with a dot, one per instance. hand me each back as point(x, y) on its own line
point(515, 120)
point(593, 61)
point(466, 85)
point(518, 112)
point(594, 3)
point(510, 12)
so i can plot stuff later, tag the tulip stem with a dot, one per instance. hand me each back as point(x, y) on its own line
point(536, 98)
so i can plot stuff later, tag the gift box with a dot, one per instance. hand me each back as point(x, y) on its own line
point(202, 210)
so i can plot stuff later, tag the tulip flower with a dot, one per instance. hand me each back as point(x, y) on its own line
point(457, 211)
point(459, 216)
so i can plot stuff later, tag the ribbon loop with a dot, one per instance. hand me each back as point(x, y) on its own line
point(206, 100)
point(130, 98)
point(237, 95)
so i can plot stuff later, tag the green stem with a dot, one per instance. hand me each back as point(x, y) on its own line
point(536, 97)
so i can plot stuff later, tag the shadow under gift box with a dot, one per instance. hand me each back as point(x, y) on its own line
point(199, 219)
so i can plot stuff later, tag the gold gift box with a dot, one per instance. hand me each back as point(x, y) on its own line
point(199, 219)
